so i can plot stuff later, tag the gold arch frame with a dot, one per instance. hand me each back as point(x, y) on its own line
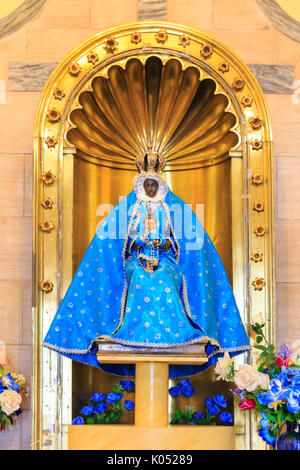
point(253, 281)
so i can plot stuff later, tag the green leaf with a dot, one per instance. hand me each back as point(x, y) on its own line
point(259, 325)
point(119, 405)
point(272, 418)
point(276, 370)
point(261, 347)
point(255, 328)
point(291, 417)
point(263, 354)
point(259, 339)
point(6, 418)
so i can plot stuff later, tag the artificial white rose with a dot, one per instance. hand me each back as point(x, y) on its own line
point(247, 378)
point(264, 380)
point(224, 367)
point(257, 319)
point(10, 401)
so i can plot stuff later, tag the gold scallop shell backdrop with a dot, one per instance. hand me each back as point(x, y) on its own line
point(196, 103)
point(153, 101)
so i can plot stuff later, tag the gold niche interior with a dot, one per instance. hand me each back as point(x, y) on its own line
point(162, 102)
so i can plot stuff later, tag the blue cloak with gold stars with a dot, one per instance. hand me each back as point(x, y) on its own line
point(188, 298)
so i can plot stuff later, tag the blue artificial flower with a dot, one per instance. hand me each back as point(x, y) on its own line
point(220, 400)
point(226, 417)
point(287, 374)
point(87, 410)
point(212, 408)
point(275, 391)
point(284, 378)
point(78, 420)
point(100, 408)
point(264, 422)
point(127, 385)
point(98, 397)
point(175, 391)
point(262, 398)
point(296, 382)
point(265, 433)
point(295, 371)
point(196, 416)
point(1, 387)
point(113, 397)
point(293, 400)
point(187, 391)
point(185, 383)
point(183, 387)
point(129, 405)
point(267, 436)
point(11, 383)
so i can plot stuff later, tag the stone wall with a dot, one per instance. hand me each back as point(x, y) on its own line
point(26, 58)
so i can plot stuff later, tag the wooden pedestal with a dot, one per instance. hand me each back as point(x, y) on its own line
point(151, 430)
point(151, 396)
point(106, 437)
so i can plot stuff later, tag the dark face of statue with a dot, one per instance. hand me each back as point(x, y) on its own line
point(151, 187)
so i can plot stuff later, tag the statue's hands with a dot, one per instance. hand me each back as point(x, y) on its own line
point(136, 247)
point(166, 246)
point(156, 242)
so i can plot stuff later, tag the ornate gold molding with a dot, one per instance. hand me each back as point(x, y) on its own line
point(46, 226)
point(46, 286)
point(258, 206)
point(47, 203)
point(47, 177)
point(258, 283)
point(51, 142)
point(257, 257)
point(257, 178)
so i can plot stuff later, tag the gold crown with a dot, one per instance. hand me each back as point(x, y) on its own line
point(151, 162)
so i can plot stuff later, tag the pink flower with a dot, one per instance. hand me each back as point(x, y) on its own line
point(247, 404)
point(282, 362)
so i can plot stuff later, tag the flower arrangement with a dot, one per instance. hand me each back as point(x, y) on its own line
point(214, 407)
point(12, 392)
point(271, 389)
point(107, 409)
